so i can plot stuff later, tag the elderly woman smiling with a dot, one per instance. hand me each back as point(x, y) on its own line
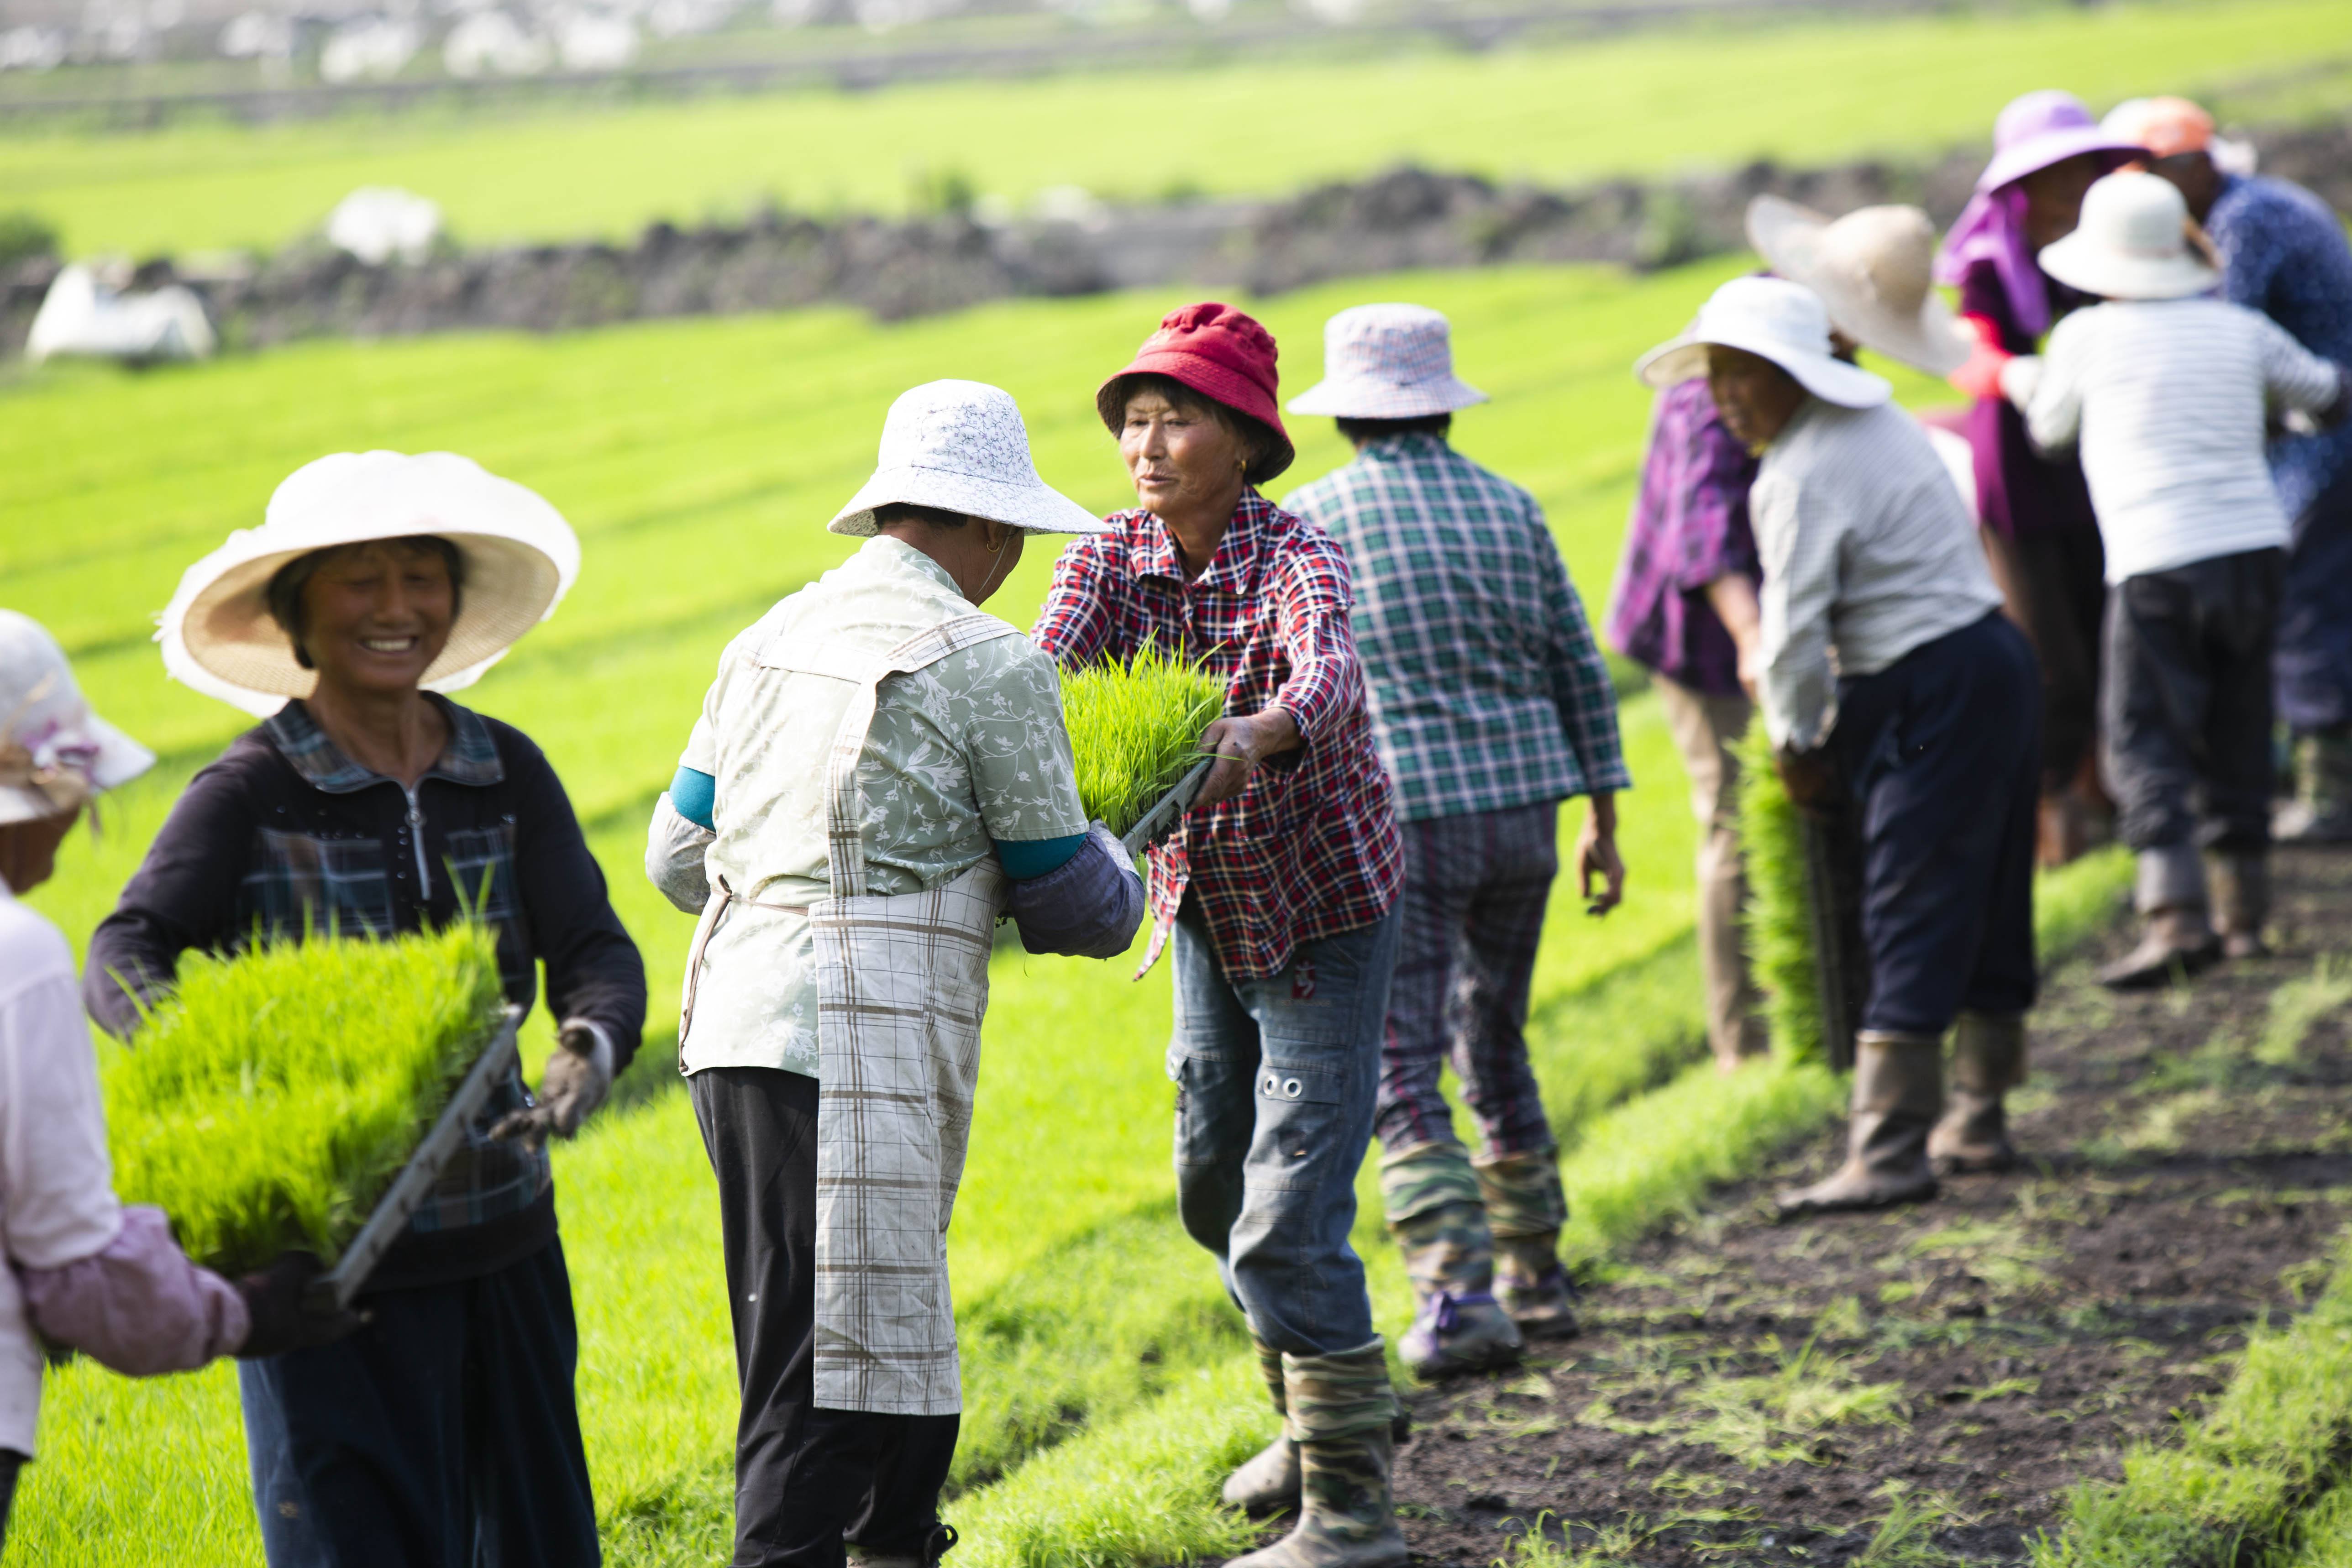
point(1278, 890)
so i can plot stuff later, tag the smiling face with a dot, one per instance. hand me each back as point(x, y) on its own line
point(1756, 397)
point(1180, 454)
point(376, 615)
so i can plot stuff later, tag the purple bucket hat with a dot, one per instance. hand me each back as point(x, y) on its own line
point(2042, 129)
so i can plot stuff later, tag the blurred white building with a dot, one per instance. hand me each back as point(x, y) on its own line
point(492, 43)
point(379, 223)
point(373, 47)
point(81, 315)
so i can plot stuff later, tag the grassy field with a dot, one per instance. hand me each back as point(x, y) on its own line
point(1642, 105)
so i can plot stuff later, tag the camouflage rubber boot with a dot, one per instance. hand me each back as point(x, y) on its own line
point(1341, 1413)
point(1525, 1209)
point(2176, 937)
point(1987, 1061)
point(1268, 1483)
point(2241, 884)
point(1434, 1211)
point(1898, 1095)
point(2321, 811)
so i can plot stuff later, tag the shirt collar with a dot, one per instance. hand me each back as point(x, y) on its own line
point(1152, 552)
point(469, 756)
point(896, 555)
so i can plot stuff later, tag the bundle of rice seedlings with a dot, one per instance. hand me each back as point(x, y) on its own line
point(268, 1103)
point(1135, 730)
point(1780, 922)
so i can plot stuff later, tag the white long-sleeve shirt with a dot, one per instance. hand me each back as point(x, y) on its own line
point(2167, 398)
point(1868, 552)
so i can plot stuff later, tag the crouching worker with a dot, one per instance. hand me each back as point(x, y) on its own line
point(445, 1431)
point(1887, 675)
point(879, 771)
point(83, 1271)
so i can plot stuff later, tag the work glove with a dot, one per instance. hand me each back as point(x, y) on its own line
point(277, 1307)
point(578, 1077)
point(1812, 779)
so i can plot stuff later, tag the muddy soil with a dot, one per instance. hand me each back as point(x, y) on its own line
point(1936, 1379)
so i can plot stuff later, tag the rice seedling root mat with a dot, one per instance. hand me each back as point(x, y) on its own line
point(1135, 731)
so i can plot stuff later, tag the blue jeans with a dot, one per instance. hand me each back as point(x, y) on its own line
point(1275, 1084)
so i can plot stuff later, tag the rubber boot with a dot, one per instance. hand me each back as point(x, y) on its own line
point(1439, 1221)
point(1987, 1061)
point(1342, 1414)
point(2241, 884)
point(2320, 810)
point(1268, 1483)
point(941, 1541)
point(1525, 1209)
point(2176, 940)
point(1898, 1093)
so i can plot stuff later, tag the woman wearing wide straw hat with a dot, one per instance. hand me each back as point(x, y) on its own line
point(369, 804)
point(879, 771)
point(1888, 681)
point(1278, 892)
point(2038, 524)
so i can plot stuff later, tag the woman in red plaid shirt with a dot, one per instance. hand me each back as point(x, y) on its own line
point(1278, 892)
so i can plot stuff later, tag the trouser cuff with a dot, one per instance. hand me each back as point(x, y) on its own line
point(2171, 877)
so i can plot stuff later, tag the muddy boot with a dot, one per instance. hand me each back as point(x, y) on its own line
point(2241, 884)
point(1440, 1224)
point(1268, 1483)
point(2320, 810)
point(941, 1541)
point(1898, 1093)
point(1988, 1060)
point(1342, 1413)
point(1525, 1209)
point(2176, 937)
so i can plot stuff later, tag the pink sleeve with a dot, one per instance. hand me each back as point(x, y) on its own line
point(137, 1304)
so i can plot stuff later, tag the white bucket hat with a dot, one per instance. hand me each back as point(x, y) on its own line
point(55, 754)
point(961, 446)
point(1874, 270)
point(1386, 361)
point(2131, 244)
point(519, 557)
point(1779, 320)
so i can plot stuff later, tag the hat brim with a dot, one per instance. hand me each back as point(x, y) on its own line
point(1338, 398)
point(1213, 381)
point(1788, 236)
point(2078, 262)
point(120, 759)
point(2014, 163)
point(1037, 508)
point(1832, 380)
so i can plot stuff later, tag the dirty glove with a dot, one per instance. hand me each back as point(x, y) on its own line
point(1812, 779)
point(275, 1305)
point(578, 1077)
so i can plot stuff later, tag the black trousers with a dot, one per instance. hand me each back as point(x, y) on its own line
point(2055, 582)
point(2188, 702)
point(1942, 751)
point(11, 1462)
point(806, 1479)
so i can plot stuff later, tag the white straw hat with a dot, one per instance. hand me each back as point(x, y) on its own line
point(1387, 361)
point(519, 557)
point(1874, 270)
point(961, 446)
point(55, 754)
point(2131, 244)
point(1779, 320)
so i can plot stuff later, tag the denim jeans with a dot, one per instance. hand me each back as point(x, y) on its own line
point(1275, 1084)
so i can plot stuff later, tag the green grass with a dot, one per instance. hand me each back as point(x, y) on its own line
point(1714, 95)
point(269, 1101)
point(1134, 729)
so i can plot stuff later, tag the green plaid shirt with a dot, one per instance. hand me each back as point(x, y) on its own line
point(1486, 688)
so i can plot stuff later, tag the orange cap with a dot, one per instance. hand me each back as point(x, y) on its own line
point(2165, 126)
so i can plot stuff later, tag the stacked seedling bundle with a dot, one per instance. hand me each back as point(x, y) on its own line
point(1779, 918)
point(270, 1102)
point(1136, 729)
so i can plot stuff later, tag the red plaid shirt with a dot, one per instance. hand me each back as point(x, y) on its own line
point(1310, 848)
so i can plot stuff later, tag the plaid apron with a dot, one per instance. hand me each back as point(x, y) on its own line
point(902, 982)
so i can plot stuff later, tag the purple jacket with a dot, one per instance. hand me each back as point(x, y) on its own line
point(1689, 526)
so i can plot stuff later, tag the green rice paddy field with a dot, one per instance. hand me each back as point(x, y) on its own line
point(1642, 105)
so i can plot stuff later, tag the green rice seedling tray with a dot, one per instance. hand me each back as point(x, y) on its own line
point(338, 1285)
point(1162, 817)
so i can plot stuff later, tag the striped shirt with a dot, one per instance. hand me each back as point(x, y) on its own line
point(1868, 552)
point(1485, 687)
point(2167, 398)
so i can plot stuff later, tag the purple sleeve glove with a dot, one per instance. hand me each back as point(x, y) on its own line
point(1090, 906)
point(137, 1304)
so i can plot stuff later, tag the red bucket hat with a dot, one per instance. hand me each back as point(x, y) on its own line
point(1221, 353)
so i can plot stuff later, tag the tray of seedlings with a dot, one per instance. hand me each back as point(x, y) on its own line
point(306, 1096)
point(1135, 735)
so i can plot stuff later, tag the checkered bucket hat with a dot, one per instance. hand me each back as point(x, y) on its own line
point(1387, 361)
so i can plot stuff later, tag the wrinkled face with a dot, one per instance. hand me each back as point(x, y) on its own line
point(375, 616)
point(1179, 455)
point(2053, 198)
point(1756, 397)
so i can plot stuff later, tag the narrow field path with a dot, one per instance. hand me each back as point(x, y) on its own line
point(1925, 1385)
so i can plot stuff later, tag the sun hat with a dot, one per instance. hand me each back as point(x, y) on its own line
point(1782, 321)
point(1874, 270)
point(55, 754)
point(961, 446)
point(2045, 127)
point(1225, 356)
point(519, 557)
point(2132, 242)
point(2169, 127)
point(1387, 361)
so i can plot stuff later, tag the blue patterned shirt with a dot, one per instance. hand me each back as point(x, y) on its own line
point(1487, 689)
point(2284, 254)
